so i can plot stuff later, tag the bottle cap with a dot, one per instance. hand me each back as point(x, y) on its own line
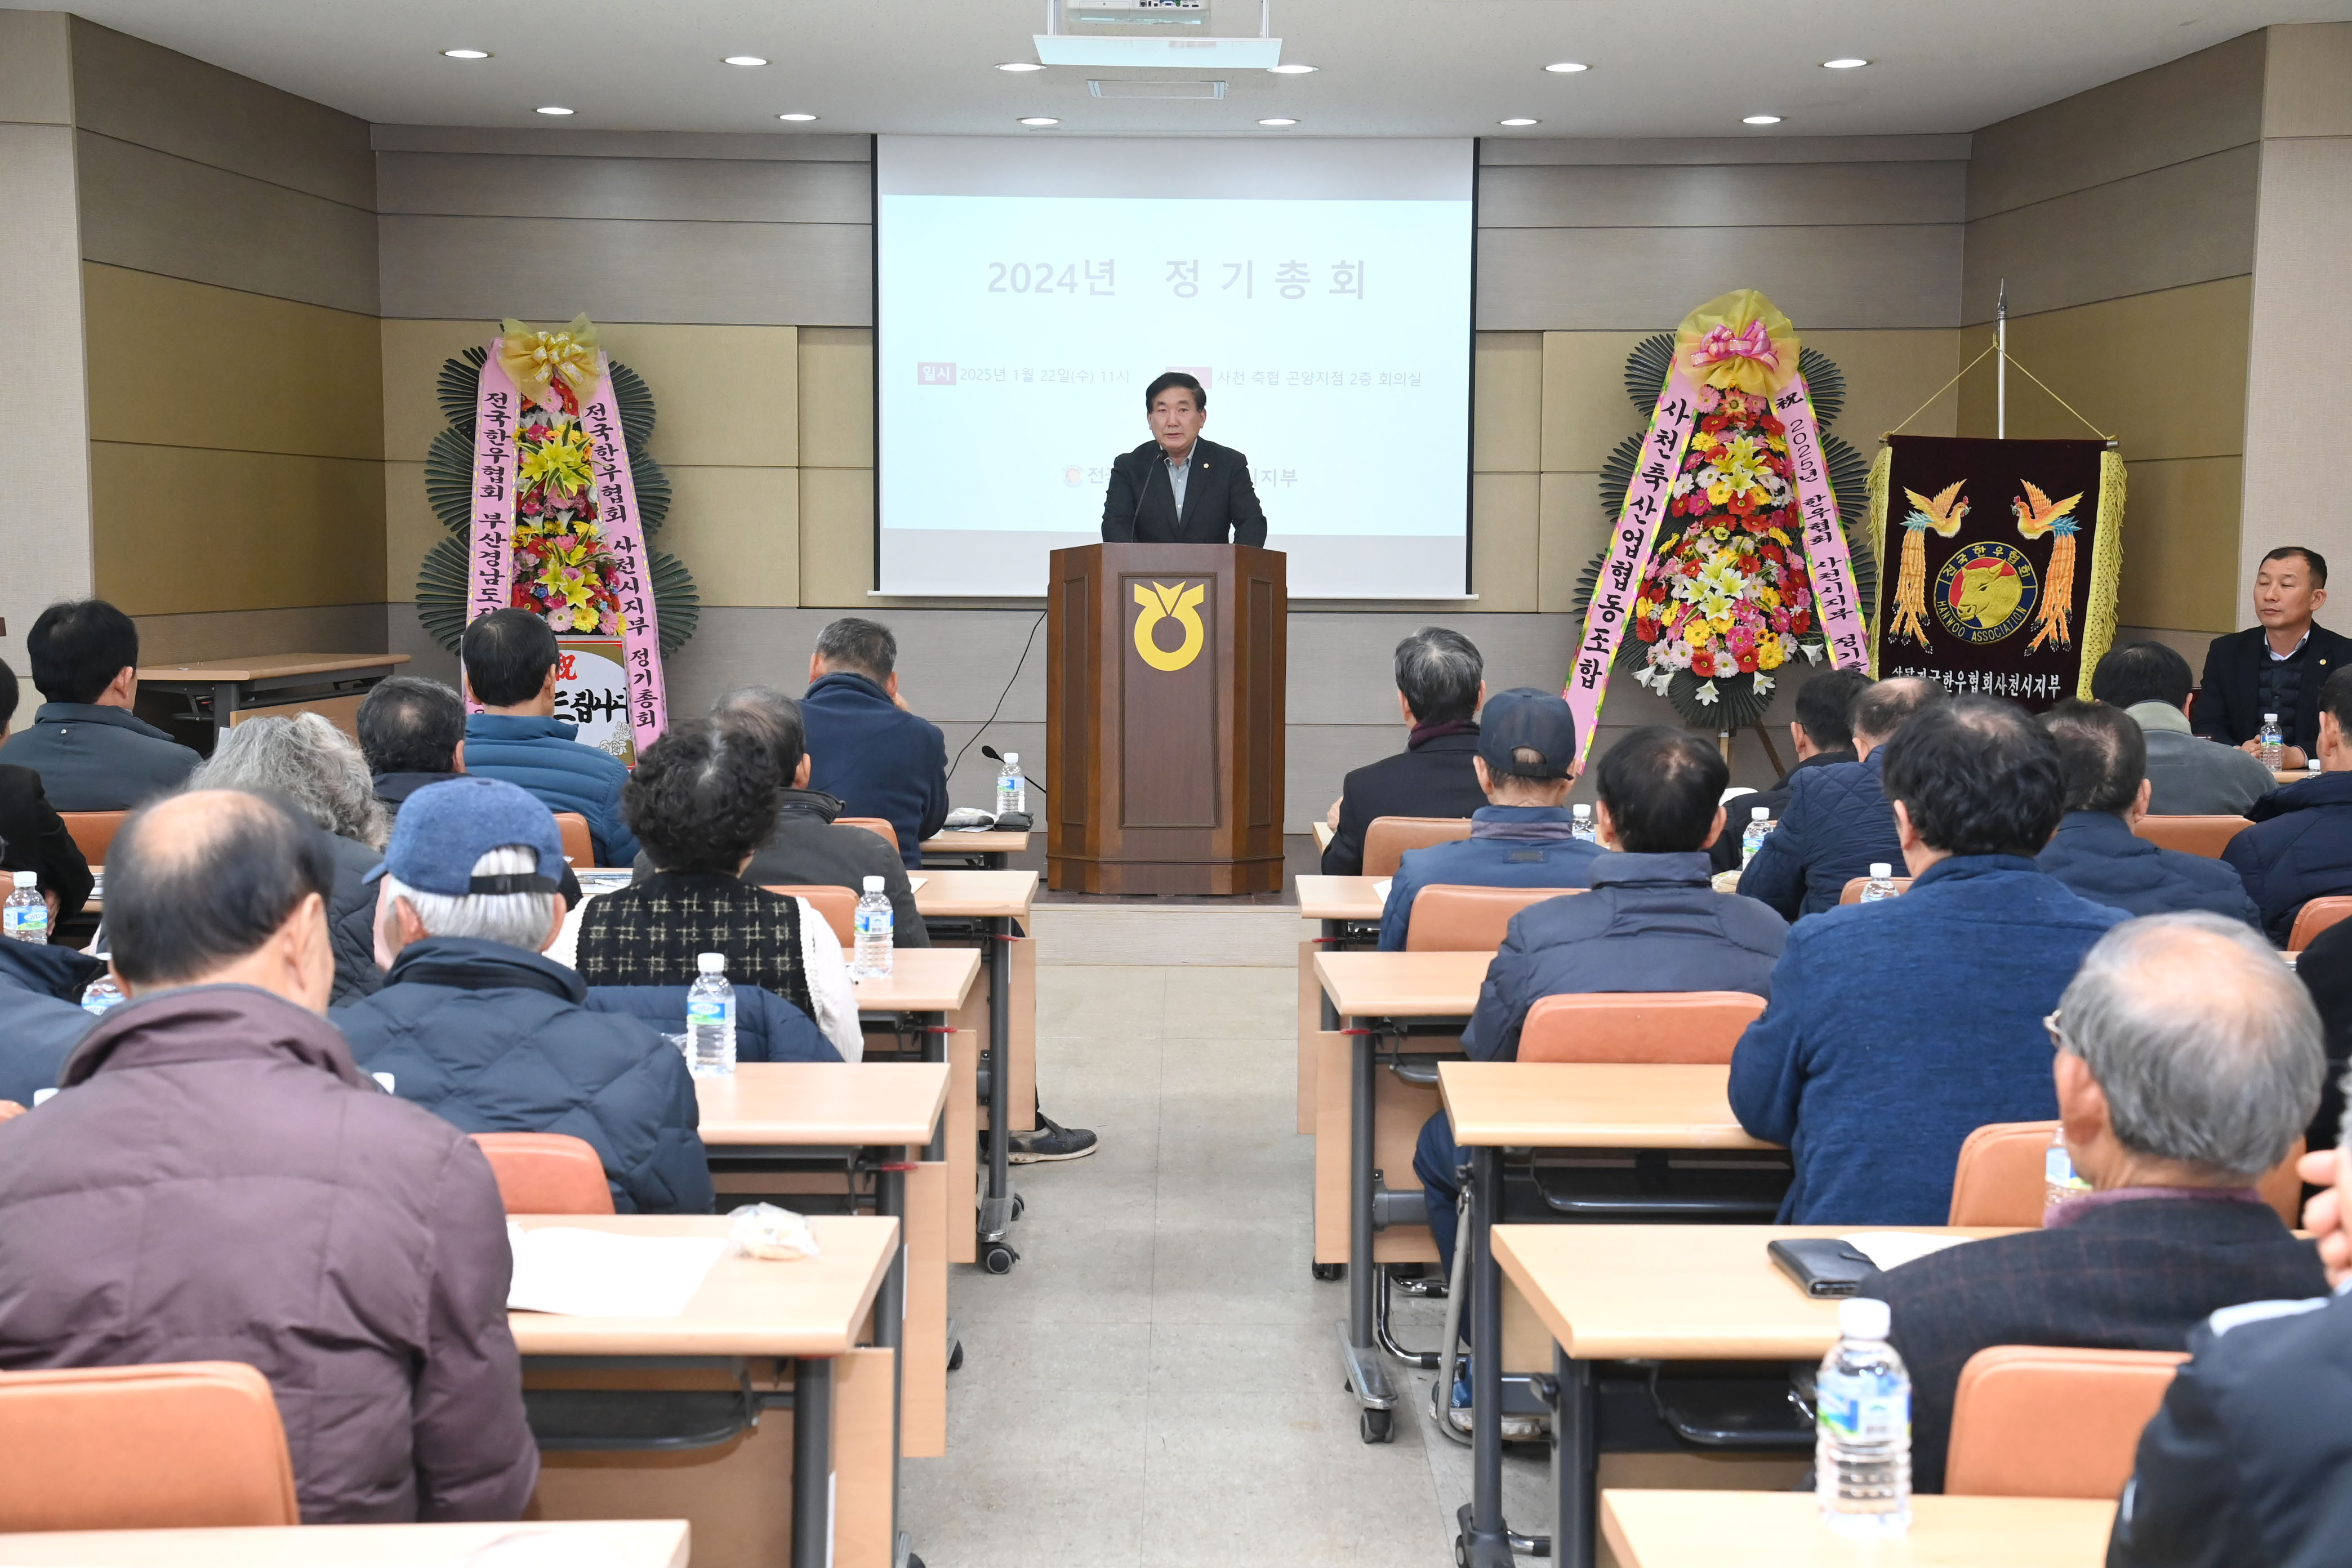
point(29, 879)
point(1881, 868)
point(1579, 811)
point(2270, 718)
point(873, 884)
point(1759, 813)
point(710, 962)
point(1012, 759)
point(1860, 1317)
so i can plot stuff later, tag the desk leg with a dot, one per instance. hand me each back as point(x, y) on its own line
point(996, 1207)
point(1488, 1543)
point(1332, 931)
point(1366, 1373)
point(935, 1050)
point(890, 1308)
point(1575, 1463)
point(812, 1463)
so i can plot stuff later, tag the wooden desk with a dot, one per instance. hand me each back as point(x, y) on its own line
point(930, 990)
point(1403, 985)
point(226, 689)
point(988, 849)
point(922, 980)
point(994, 902)
point(800, 1104)
point(610, 1543)
point(1339, 898)
point(1783, 1530)
point(1351, 917)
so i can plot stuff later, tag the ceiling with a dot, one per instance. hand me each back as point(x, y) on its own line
point(1439, 68)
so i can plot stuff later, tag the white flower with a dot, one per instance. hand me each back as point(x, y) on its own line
point(1763, 684)
point(1707, 694)
point(1812, 653)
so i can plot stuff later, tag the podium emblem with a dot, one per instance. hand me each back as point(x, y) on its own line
point(1160, 601)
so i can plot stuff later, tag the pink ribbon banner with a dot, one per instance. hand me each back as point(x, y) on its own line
point(633, 581)
point(1837, 604)
point(491, 546)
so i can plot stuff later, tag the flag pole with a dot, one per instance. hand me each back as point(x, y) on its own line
point(2000, 334)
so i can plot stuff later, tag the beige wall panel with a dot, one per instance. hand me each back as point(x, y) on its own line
point(1570, 530)
point(137, 91)
point(774, 274)
point(1507, 424)
point(1727, 195)
point(837, 536)
point(410, 528)
point(836, 397)
point(157, 213)
point(725, 396)
point(1503, 541)
point(1888, 376)
point(2308, 89)
point(2169, 114)
point(1887, 275)
point(36, 68)
point(45, 542)
point(2180, 545)
point(758, 146)
point(414, 353)
point(252, 373)
point(737, 530)
point(719, 190)
point(244, 634)
point(2164, 373)
point(180, 529)
point(2187, 223)
point(1501, 152)
point(1585, 410)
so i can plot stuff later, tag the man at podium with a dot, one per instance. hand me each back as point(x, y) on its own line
point(1177, 489)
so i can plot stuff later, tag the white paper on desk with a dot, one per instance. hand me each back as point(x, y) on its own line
point(915, 884)
point(1893, 1248)
point(595, 1274)
point(1380, 886)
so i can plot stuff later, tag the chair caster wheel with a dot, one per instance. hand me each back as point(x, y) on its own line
point(955, 1357)
point(1378, 1425)
point(997, 1257)
point(1018, 1206)
point(913, 1561)
point(1330, 1271)
point(1461, 1553)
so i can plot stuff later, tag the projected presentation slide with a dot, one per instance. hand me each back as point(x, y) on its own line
point(1030, 291)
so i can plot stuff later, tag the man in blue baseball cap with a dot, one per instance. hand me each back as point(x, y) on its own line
point(474, 1025)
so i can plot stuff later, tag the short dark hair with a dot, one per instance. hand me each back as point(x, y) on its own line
point(507, 655)
point(213, 887)
point(2142, 672)
point(77, 647)
point(1438, 671)
point(865, 647)
point(2335, 700)
point(1881, 708)
point(1175, 378)
point(9, 695)
point(1662, 787)
point(2102, 753)
point(409, 724)
point(2311, 558)
point(770, 716)
point(1823, 704)
point(1978, 776)
point(703, 798)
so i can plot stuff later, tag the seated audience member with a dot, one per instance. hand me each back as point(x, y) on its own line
point(2300, 846)
point(1440, 685)
point(315, 768)
point(1821, 734)
point(219, 1180)
point(1652, 922)
point(866, 748)
point(1836, 824)
point(2094, 850)
point(2188, 775)
point(1897, 1029)
point(2275, 667)
point(1523, 837)
point(703, 799)
point(2325, 969)
point(41, 1015)
point(510, 660)
point(477, 1027)
point(91, 753)
point(33, 836)
point(2188, 1064)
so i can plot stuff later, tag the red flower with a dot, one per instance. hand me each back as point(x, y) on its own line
point(1647, 630)
point(1740, 505)
point(1799, 622)
point(1748, 663)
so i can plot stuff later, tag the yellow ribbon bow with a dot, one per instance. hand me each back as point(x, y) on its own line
point(1738, 342)
point(535, 359)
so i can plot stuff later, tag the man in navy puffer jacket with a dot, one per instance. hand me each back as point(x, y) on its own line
point(511, 657)
point(41, 1017)
point(485, 1033)
point(864, 745)
point(2300, 846)
point(1837, 822)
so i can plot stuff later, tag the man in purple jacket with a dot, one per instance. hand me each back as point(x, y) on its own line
point(218, 1181)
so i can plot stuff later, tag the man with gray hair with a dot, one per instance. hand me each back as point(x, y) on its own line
point(476, 1027)
point(2188, 1062)
point(871, 750)
point(1440, 685)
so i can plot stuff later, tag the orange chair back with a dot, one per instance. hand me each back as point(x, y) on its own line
point(837, 905)
point(2002, 1177)
point(180, 1446)
point(1852, 892)
point(871, 825)
point(1690, 1027)
point(2206, 836)
point(579, 844)
point(2038, 1421)
point(2314, 918)
point(93, 832)
point(1452, 918)
point(1387, 839)
point(546, 1172)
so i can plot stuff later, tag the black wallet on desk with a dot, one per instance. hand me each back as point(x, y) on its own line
point(1821, 1266)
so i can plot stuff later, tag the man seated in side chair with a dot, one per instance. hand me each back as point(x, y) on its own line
point(218, 1179)
point(91, 752)
point(1836, 824)
point(866, 747)
point(2188, 1062)
point(2189, 774)
point(2300, 846)
point(1440, 684)
point(2278, 665)
point(1822, 734)
point(2094, 850)
point(1524, 836)
point(1897, 1029)
point(473, 1025)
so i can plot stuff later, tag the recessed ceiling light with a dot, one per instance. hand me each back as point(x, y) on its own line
point(1286, 70)
point(1519, 120)
point(468, 54)
point(1277, 120)
point(744, 60)
point(797, 116)
point(1760, 120)
point(1020, 66)
point(1567, 67)
point(1844, 65)
point(554, 108)
point(1039, 120)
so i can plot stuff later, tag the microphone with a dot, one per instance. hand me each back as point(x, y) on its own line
point(993, 755)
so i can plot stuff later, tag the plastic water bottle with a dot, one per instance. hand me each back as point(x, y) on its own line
point(2269, 744)
point(874, 923)
point(102, 993)
point(25, 915)
point(1011, 789)
point(1759, 829)
point(711, 1019)
point(1580, 824)
point(2059, 1181)
point(1862, 1435)
point(1880, 884)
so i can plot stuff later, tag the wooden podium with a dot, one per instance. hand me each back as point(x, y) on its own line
point(1165, 674)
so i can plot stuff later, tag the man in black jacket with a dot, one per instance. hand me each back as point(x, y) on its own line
point(1177, 489)
point(2277, 667)
point(91, 752)
point(1821, 732)
point(1439, 685)
point(2095, 851)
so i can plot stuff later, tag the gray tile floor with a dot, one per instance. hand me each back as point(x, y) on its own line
point(1157, 1381)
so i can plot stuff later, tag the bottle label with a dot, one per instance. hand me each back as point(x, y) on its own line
point(2058, 1171)
point(709, 1011)
point(26, 923)
point(873, 922)
point(1863, 1407)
